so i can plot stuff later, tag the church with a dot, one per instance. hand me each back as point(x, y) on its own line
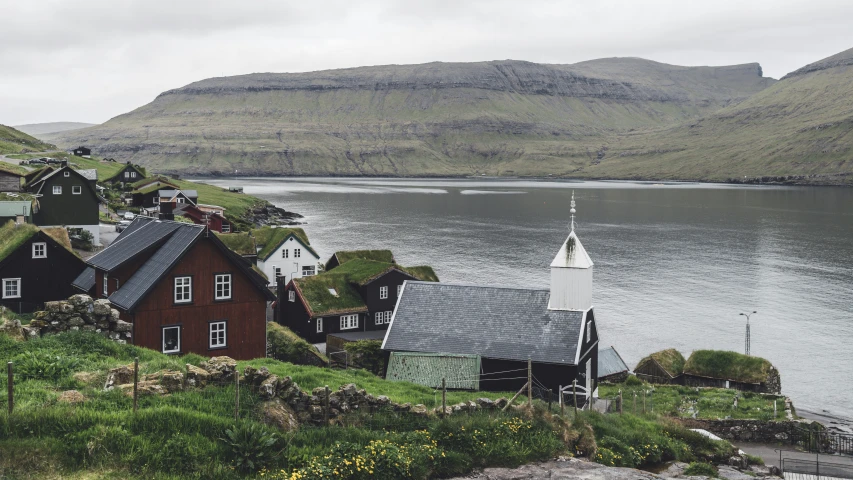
point(481, 337)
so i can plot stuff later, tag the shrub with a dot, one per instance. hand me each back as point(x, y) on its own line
point(250, 447)
point(633, 381)
point(368, 354)
point(43, 365)
point(700, 469)
point(754, 459)
point(286, 346)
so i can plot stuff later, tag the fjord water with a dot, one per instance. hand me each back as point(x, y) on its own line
point(674, 264)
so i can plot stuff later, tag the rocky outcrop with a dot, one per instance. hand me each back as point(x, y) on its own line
point(80, 312)
point(12, 328)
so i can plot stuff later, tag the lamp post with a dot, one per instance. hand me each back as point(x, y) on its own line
point(746, 341)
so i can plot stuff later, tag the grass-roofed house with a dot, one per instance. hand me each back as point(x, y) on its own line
point(36, 266)
point(723, 369)
point(357, 296)
point(182, 289)
point(664, 367)
point(285, 252)
point(242, 244)
point(68, 198)
point(505, 327)
point(339, 258)
point(146, 192)
point(129, 173)
point(11, 177)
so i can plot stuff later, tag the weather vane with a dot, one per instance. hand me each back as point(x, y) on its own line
point(572, 211)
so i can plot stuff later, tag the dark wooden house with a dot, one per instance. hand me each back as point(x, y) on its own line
point(10, 178)
point(663, 367)
point(357, 296)
point(147, 194)
point(611, 367)
point(36, 175)
point(212, 220)
point(339, 258)
point(36, 266)
point(182, 289)
point(82, 151)
point(67, 198)
point(130, 173)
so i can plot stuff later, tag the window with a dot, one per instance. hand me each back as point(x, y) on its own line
point(106, 289)
point(183, 289)
point(285, 253)
point(589, 330)
point(276, 272)
point(380, 318)
point(180, 200)
point(40, 250)
point(349, 321)
point(67, 174)
point(226, 227)
point(116, 284)
point(223, 286)
point(156, 200)
point(399, 290)
point(11, 288)
point(297, 252)
point(132, 174)
point(172, 339)
point(320, 325)
point(217, 334)
point(383, 292)
point(291, 296)
point(388, 316)
point(76, 190)
point(126, 174)
point(307, 270)
point(57, 189)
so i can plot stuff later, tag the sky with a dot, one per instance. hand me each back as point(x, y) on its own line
point(90, 60)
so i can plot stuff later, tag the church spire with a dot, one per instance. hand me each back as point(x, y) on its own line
point(572, 211)
point(571, 273)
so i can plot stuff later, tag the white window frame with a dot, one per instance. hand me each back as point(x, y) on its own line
point(10, 281)
point(320, 325)
point(297, 252)
point(66, 173)
point(213, 331)
point(399, 290)
point(132, 174)
point(291, 296)
point(57, 189)
point(588, 330)
point(388, 315)
point(76, 190)
point(40, 246)
point(276, 272)
point(163, 339)
point(189, 289)
point(348, 322)
point(106, 284)
point(312, 272)
point(156, 200)
point(285, 253)
point(223, 280)
point(226, 227)
point(180, 200)
point(379, 318)
point(383, 292)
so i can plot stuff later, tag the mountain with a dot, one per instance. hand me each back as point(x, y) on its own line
point(800, 127)
point(500, 117)
point(14, 141)
point(45, 129)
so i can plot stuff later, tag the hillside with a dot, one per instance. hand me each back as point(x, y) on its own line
point(501, 117)
point(802, 127)
point(43, 130)
point(15, 141)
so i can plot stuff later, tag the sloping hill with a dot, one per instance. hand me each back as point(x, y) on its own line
point(502, 117)
point(14, 141)
point(801, 127)
point(44, 130)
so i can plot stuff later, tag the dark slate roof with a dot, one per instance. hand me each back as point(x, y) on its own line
point(128, 246)
point(356, 336)
point(90, 174)
point(493, 322)
point(86, 280)
point(610, 363)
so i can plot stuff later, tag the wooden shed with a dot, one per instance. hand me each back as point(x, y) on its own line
point(665, 366)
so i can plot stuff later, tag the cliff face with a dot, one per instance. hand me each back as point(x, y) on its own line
point(502, 117)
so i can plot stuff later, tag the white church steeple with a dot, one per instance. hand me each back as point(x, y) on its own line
point(571, 273)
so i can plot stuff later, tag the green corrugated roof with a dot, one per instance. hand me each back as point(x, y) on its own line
point(14, 208)
point(461, 372)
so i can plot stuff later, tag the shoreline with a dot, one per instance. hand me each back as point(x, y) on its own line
point(831, 421)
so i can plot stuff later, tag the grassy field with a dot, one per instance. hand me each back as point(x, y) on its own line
point(15, 141)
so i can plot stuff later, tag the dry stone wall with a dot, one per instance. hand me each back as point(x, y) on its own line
point(79, 312)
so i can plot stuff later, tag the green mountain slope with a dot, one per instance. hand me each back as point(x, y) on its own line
point(14, 141)
point(801, 127)
point(44, 130)
point(503, 117)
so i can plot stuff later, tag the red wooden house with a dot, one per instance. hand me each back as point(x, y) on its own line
point(215, 221)
point(182, 289)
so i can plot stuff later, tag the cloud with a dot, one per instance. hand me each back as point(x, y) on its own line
point(89, 60)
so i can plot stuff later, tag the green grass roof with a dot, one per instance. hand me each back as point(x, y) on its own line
point(315, 291)
point(375, 255)
point(241, 243)
point(12, 168)
point(361, 271)
point(671, 360)
point(422, 272)
point(12, 237)
point(269, 238)
point(150, 180)
point(154, 187)
point(728, 365)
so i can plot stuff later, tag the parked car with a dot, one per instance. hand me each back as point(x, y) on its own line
point(121, 225)
point(129, 215)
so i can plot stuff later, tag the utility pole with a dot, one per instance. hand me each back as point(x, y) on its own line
point(747, 339)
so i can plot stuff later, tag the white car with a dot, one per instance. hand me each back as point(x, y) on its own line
point(129, 215)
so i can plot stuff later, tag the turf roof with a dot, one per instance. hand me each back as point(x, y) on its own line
point(270, 238)
point(149, 180)
point(12, 237)
point(671, 360)
point(375, 255)
point(241, 243)
point(361, 271)
point(315, 291)
point(153, 187)
point(728, 365)
point(12, 168)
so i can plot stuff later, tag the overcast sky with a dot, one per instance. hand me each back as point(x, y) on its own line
point(90, 60)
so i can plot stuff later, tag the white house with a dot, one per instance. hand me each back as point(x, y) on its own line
point(285, 252)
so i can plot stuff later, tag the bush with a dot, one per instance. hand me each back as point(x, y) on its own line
point(633, 381)
point(368, 354)
point(699, 469)
point(43, 365)
point(250, 447)
point(286, 346)
point(754, 460)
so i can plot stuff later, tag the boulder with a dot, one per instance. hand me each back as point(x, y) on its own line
point(121, 326)
point(196, 377)
point(76, 322)
point(501, 402)
point(102, 307)
point(114, 313)
point(53, 306)
point(172, 380)
point(350, 390)
point(220, 369)
point(31, 332)
point(277, 413)
point(485, 403)
point(12, 328)
point(71, 396)
point(419, 409)
point(255, 376)
point(79, 300)
point(404, 408)
point(268, 387)
point(119, 376)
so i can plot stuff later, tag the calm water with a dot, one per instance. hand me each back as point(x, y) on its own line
point(674, 264)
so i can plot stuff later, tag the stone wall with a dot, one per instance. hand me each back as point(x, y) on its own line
point(758, 431)
point(79, 312)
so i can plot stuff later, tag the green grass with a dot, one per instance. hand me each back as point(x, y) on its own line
point(241, 243)
point(12, 168)
point(707, 403)
point(384, 256)
point(728, 365)
point(14, 141)
point(12, 236)
point(271, 238)
point(670, 360)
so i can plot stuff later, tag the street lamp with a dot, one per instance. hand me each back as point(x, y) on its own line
point(746, 342)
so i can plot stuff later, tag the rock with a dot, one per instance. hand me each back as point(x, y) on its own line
point(448, 410)
point(76, 321)
point(350, 390)
point(404, 408)
point(119, 376)
point(761, 470)
point(383, 400)
point(172, 380)
point(12, 328)
point(501, 402)
point(31, 332)
point(419, 409)
point(221, 369)
point(71, 396)
point(730, 473)
point(121, 326)
point(196, 377)
point(739, 461)
point(114, 313)
point(79, 300)
point(277, 413)
point(102, 307)
point(268, 387)
point(674, 470)
point(148, 388)
point(88, 328)
point(485, 403)
point(53, 306)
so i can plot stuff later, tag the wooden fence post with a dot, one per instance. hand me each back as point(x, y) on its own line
point(560, 399)
point(575, 395)
point(236, 395)
point(326, 405)
point(529, 382)
point(634, 408)
point(523, 387)
point(620, 401)
point(10, 386)
point(135, 384)
point(644, 401)
point(443, 397)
